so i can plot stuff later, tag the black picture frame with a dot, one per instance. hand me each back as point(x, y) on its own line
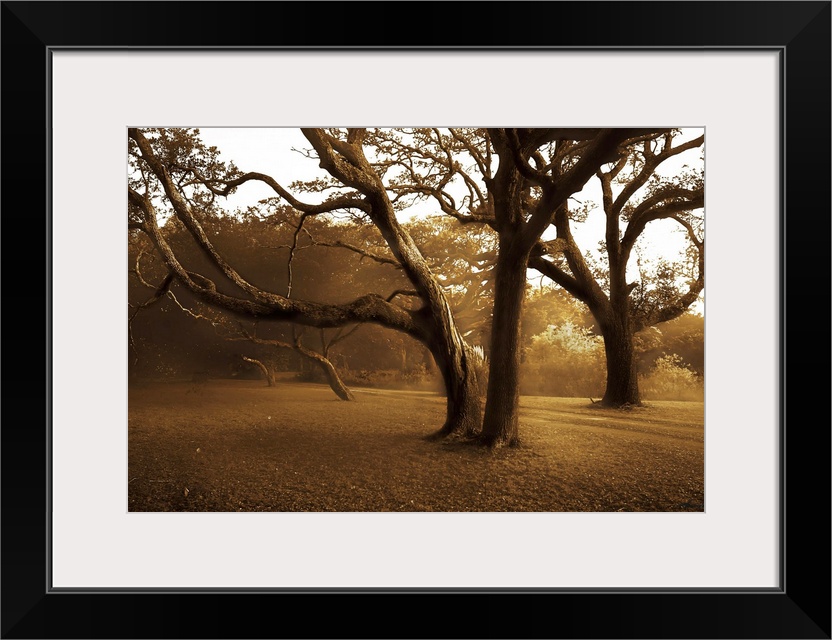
point(800, 608)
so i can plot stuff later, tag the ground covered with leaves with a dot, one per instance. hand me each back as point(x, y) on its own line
point(235, 445)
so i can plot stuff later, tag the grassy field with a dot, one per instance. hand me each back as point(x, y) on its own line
point(235, 445)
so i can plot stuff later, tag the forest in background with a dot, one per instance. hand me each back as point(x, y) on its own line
point(180, 337)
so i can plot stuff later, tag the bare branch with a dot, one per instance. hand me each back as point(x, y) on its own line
point(603, 148)
point(292, 253)
point(328, 206)
point(694, 200)
point(526, 170)
point(362, 252)
point(651, 163)
point(482, 165)
point(560, 277)
point(194, 315)
point(402, 292)
point(159, 292)
point(340, 336)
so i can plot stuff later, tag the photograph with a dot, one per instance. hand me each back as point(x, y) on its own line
point(418, 319)
point(414, 314)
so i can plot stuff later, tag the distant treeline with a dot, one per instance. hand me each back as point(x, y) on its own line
point(176, 337)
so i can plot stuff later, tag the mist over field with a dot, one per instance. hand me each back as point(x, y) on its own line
point(241, 446)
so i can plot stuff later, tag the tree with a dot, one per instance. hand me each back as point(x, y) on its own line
point(634, 195)
point(171, 166)
point(516, 181)
point(268, 375)
point(320, 359)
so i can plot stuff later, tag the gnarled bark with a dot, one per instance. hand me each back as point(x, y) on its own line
point(463, 415)
point(622, 377)
point(500, 426)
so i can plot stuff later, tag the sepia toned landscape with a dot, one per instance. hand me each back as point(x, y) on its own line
point(416, 320)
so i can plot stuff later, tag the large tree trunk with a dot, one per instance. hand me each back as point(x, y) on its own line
point(332, 377)
point(622, 379)
point(463, 407)
point(502, 403)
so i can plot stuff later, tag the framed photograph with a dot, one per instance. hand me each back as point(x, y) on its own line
point(103, 95)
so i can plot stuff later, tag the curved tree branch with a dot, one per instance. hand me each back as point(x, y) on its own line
point(369, 308)
point(640, 220)
point(651, 164)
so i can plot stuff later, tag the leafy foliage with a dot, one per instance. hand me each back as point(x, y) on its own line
point(564, 360)
point(672, 379)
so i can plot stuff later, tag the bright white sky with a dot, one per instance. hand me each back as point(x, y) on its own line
point(269, 151)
